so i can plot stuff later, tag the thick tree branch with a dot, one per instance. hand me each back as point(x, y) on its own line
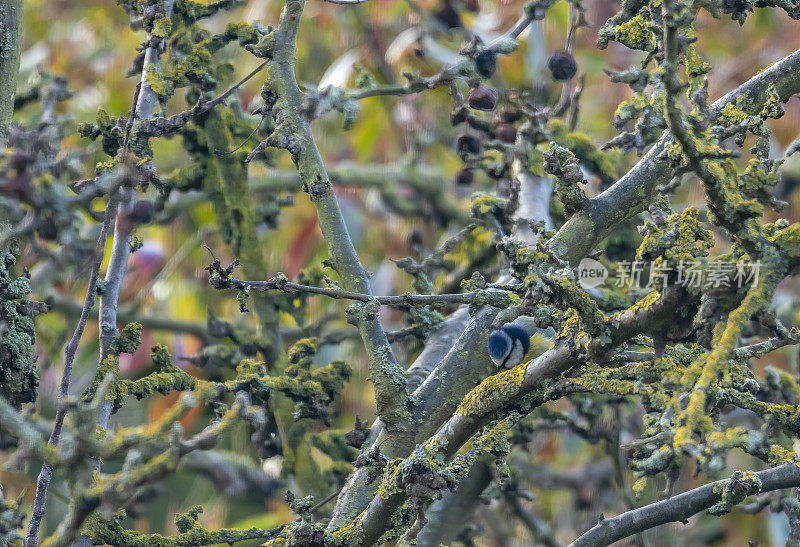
point(144, 105)
point(469, 418)
point(631, 194)
point(294, 133)
point(572, 242)
point(679, 508)
point(442, 372)
point(446, 376)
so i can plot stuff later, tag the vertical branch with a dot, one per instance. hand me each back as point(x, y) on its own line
point(293, 132)
point(11, 34)
point(46, 473)
point(145, 103)
point(454, 509)
point(760, 293)
point(225, 184)
point(446, 376)
point(145, 100)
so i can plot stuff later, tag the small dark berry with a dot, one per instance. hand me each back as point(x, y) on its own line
point(465, 177)
point(486, 63)
point(562, 66)
point(449, 17)
point(497, 170)
point(510, 116)
point(47, 228)
point(415, 239)
point(143, 211)
point(506, 132)
point(458, 115)
point(468, 144)
point(483, 98)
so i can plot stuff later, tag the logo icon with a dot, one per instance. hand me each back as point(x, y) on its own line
point(591, 273)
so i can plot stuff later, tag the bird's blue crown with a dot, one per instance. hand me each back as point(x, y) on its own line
point(501, 344)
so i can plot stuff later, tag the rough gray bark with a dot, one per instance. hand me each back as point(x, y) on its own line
point(10, 45)
point(146, 102)
point(447, 516)
point(123, 229)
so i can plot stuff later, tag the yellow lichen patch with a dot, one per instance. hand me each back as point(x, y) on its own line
point(492, 391)
point(580, 144)
point(728, 438)
point(779, 455)
point(485, 203)
point(348, 535)
point(682, 238)
point(639, 486)
point(695, 64)
point(642, 305)
point(732, 114)
point(636, 34)
point(695, 417)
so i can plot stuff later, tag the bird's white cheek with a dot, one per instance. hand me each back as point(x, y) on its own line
point(517, 354)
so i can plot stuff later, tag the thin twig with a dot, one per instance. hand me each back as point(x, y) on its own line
point(131, 117)
point(318, 506)
point(445, 76)
point(46, 473)
point(204, 107)
point(494, 297)
point(346, 2)
point(162, 126)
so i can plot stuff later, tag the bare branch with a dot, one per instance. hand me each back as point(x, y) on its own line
point(679, 508)
point(46, 473)
point(491, 296)
point(387, 375)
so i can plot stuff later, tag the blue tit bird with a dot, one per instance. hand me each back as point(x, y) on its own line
point(509, 344)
